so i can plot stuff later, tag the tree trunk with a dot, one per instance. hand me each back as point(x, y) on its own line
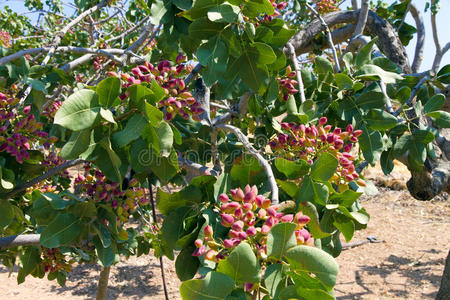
point(444, 290)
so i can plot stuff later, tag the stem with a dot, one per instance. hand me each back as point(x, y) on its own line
point(411, 96)
point(262, 161)
point(102, 288)
point(301, 88)
point(42, 177)
point(161, 262)
point(329, 37)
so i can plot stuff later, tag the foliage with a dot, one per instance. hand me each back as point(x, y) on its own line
point(134, 126)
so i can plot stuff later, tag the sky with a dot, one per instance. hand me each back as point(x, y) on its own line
point(443, 25)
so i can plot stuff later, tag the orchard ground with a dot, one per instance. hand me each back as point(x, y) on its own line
point(407, 265)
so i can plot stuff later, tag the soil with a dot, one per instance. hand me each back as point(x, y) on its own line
point(407, 265)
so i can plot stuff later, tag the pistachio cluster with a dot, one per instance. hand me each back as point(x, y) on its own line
point(250, 218)
point(178, 99)
point(286, 85)
point(308, 142)
point(327, 6)
point(20, 130)
point(53, 261)
point(124, 202)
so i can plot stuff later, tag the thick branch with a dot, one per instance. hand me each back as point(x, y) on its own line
point(19, 240)
point(362, 19)
point(262, 161)
point(418, 55)
point(43, 177)
point(389, 42)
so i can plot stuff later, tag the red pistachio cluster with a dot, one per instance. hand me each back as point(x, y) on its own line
point(286, 85)
point(178, 99)
point(250, 218)
point(98, 188)
point(5, 38)
point(309, 142)
point(51, 108)
point(277, 7)
point(53, 261)
point(326, 6)
point(20, 130)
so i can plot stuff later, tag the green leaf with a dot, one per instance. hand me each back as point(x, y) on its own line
point(64, 229)
point(281, 238)
point(281, 33)
point(241, 265)
point(363, 56)
point(273, 276)
point(378, 119)
point(107, 115)
point(138, 93)
point(108, 90)
point(6, 213)
point(309, 209)
point(186, 265)
point(214, 56)
point(444, 74)
point(247, 170)
point(313, 191)
point(401, 145)
point(440, 118)
point(225, 13)
point(165, 134)
point(253, 8)
point(423, 136)
point(131, 132)
point(204, 29)
point(29, 260)
point(316, 261)
point(262, 53)
point(79, 111)
point(324, 168)
point(189, 195)
point(56, 201)
point(292, 169)
point(374, 73)
point(371, 143)
point(434, 103)
point(153, 114)
point(386, 162)
point(254, 76)
point(109, 162)
point(77, 144)
point(346, 198)
point(215, 286)
point(371, 99)
point(346, 226)
point(107, 256)
point(343, 81)
point(103, 234)
point(359, 216)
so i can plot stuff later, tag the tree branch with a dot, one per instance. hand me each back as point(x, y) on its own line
point(329, 36)
point(411, 96)
point(390, 44)
point(43, 177)
point(262, 161)
point(362, 19)
point(20, 240)
point(418, 54)
point(301, 88)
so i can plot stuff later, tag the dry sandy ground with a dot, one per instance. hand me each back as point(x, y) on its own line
point(407, 265)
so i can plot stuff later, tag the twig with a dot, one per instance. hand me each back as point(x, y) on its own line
point(382, 86)
point(193, 74)
point(161, 262)
point(215, 150)
point(301, 88)
point(102, 288)
point(329, 37)
point(262, 161)
point(195, 168)
point(361, 166)
point(370, 239)
point(362, 20)
point(125, 33)
point(411, 96)
point(43, 177)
